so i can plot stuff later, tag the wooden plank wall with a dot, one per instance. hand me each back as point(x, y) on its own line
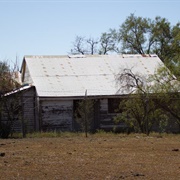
point(29, 109)
point(56, 115)
point(23, 103)
point(106, 118)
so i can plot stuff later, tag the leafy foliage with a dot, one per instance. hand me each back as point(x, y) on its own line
point(166, 88)
point(84, 114)
point(141, 114)
point(9, 108)
point(152, 102)
point(137, 35)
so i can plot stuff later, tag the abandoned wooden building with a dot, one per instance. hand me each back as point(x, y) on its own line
point(52, 85)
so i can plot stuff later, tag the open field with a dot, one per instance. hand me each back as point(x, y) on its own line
point(100, 156)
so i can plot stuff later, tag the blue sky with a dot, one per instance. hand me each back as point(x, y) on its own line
point(44, 27)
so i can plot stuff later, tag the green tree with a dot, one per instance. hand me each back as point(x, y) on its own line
point(141, 114)
point(162, 34)
point(8, 106)
point(84, 114)
point(145, 36)
point(153, 101)
point(166, 89)
point(174, 56)
point(139, 110)
point(109, 42)
point(5, 78)
point(136, 35)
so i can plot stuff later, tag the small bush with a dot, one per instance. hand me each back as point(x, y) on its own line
point(5, 130)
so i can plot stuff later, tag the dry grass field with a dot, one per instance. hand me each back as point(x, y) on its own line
point(100, 156)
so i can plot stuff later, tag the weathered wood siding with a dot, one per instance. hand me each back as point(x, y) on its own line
point(23, 112)
point(106, 119)
point(29, 110)
point(16, 125)
point(56, 115)
point(93, 124)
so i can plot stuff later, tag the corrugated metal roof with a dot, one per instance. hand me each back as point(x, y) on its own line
point(72, 76)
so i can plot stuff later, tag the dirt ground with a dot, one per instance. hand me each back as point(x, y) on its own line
point(110, 157)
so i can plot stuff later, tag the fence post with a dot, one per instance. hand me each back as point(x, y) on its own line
point(85, 113)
